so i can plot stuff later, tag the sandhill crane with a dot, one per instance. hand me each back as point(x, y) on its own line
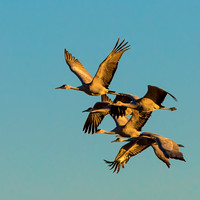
point(125, 127)
point(151, 101)
point(123, 104)
point(164, 149)
point(99, 84)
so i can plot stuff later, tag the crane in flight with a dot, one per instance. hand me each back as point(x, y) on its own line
point(99, 84)
point(164, 149)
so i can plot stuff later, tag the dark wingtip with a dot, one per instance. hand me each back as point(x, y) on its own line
point(107, 162)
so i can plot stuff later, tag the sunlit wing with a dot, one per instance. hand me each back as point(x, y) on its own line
point(77, 68)
point(123, 110)
point(157, 94)
point(126, 98)
point(94, 119)
point(108, 67)
point(143, 118)
point(169, 148)
point(160, 154)
point(125, 153)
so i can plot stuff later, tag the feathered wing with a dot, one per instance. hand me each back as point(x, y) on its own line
point(122, 110)
point(169, 148)
point(126, 152)
point(77, 68)
point(126, 98)
point(108, 67)
point(157, 94)
point(138, 119)
point(94, 119)
point(143, 118)
point(160, 154)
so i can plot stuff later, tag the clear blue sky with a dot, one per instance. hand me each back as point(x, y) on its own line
point(44, 154)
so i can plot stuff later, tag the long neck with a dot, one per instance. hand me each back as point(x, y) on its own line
point(106, 132)
point(74, 88)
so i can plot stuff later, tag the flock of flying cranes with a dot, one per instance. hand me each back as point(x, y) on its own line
point(140, 109)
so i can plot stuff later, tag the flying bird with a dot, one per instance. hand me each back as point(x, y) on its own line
point(164, 149)
point(99, 84)
point(125, 127)
point(151, 101)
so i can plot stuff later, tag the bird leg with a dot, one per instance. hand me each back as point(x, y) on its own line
point(172, 109)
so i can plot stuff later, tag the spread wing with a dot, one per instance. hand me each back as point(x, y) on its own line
point(160, 155)
point(126, 98)
point(138, 120)
point(157, 94)
point(126, 152)
point(123, 110)
point(77, 68)
point(143, 118)
point(108, 67)
point(169, 148)
point(94, 119)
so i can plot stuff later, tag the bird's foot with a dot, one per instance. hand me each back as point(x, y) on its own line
point(173, 108)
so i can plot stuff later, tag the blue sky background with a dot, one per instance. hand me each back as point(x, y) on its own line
point(44, 154)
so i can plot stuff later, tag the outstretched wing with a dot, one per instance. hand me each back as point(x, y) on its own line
point(94, 119)
point(157, 94)
point(126, 98)
point(108, 67)
point(138, 120)
point(143, 118)
point(77, 68)
point(169, 148)
point(160, 155)
point(126, 152)
point(123, 110)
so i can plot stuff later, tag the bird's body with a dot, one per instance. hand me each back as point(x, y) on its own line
point(99, 84)
point(129, 129)
point(164, 149)
point(124, 104)
point(150, 102)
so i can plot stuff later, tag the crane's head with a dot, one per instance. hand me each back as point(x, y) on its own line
point(63, 87)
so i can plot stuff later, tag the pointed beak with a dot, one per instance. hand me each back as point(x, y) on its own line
point(59, 87)
point(87, 110)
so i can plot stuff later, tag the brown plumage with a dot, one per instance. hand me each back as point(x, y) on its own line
point(123, 124)
point(164, 149)
point(151, 101)
point(99, 84)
